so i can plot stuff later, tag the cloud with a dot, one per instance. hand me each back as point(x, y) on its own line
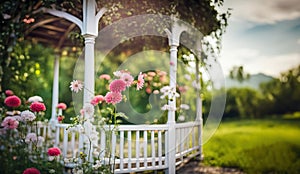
point(266, 11)
point(255, 62)
point(298, 41)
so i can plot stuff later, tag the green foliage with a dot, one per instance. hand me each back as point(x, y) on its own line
point(238, 73)
point(256, 146)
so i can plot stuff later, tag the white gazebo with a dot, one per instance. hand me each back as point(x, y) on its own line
point(170, 144)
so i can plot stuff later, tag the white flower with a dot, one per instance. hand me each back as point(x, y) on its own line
point(168, 91)
point(181, 118)
point(89, 109)
point(168, 107)
point(31, 137)
point(156, 91)
point(28, 115)
point(51, 158)
point(97, 165)
point(35, 99)
point(117, 73)
point(185, 106)
point(76, 86)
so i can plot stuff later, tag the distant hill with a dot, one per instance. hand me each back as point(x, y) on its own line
point(254, 81)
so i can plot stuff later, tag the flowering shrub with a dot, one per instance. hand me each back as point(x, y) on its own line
point(106, 114)
point(22, 146)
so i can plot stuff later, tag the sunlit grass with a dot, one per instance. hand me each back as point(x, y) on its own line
point(256, 146)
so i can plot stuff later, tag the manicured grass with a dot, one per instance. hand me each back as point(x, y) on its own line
point(256, 146)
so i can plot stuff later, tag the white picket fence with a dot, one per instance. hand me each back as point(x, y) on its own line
point(135, 147)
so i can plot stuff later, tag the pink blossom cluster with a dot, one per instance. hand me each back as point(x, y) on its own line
point(154, 80)
point(117, 86)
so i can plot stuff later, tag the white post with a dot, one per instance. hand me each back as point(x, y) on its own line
point(173, 36)
point(89, 32)
point(89, 68)
point(199, 102)
point(55, 92)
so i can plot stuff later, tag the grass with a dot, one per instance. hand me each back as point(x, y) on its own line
point(256, 146)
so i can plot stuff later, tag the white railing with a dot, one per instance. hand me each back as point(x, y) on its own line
point(133, 147)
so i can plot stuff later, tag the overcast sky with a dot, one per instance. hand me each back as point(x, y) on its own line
point(263, 36)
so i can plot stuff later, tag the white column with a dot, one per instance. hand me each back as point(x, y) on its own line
point(199, 105)
point(89, 68)
point(171, 113)
point(55, 91)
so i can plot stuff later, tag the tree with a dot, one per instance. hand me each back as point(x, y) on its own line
point(238, 73)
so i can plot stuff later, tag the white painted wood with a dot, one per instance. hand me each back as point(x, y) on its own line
point(159, 141)
point(102, 146)
point(57, 136)
point(65, 15)
point(73, 150)
point(65, 142)
point(181, 143)
point(129, 149)
point(121, 149)
point(55, 91)
point(113, 146)
point(137, 148)
point(145, 149)
point(153, 148)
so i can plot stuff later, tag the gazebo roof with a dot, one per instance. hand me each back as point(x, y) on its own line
point(55, 31)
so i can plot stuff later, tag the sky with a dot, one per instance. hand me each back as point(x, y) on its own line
point(263, 36)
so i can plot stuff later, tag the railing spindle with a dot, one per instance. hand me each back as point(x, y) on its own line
point(129, 149)
point(121, 149)
point(145, 149)
point(137, 149)
point(159, 149)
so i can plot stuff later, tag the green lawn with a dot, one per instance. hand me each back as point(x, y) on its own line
point(256, 146)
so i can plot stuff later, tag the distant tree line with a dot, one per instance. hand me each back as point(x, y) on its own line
point(276, 97)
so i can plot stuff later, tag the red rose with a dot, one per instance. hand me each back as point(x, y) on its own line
point(37, 107)
point(54, 151)
point(31, 171)
point(12, 101)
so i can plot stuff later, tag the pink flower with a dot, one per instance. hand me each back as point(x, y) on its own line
point(10, 123)
point(62, 106)
point(54, 151)
point(31, 170)
point(97, 99)
point(37, 107)
point(82, 112)
point(9, 92)
point(104, 76)
point(117, 86)
point(113, 97)
point(12, 101)
point(140, 81)
point(76, 86)
point(127, 78)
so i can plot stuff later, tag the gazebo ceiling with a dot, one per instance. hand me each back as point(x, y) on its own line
point(52, 31)
point(56, 32)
